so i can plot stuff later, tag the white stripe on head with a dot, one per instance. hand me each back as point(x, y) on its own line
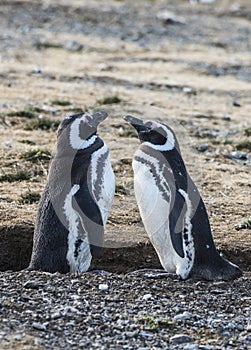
point(75, 140)
point(170, 140)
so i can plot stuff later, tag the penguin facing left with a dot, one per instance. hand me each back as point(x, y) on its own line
point(172, 210)
point(77, 199)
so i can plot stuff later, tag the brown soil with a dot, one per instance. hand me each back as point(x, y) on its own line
point(194, 76)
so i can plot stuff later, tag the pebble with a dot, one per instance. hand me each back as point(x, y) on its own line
point(190, 347)
point(183, 317)
point(202, 148)
point(49, 305)
point(147, 296)
point(238, 156)
point(181, 338)
point(236, 104)
point(103, 287)
point(39, 326)
point(227, 118)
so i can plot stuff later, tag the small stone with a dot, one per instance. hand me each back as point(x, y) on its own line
point(36, 71)
point(239, 156)
point(170, 18)
point(226, 334)
point(17, 337)
point(202, 148)
point(8, 144)
point(32, 285)
point(146, 335)
point(147, 296)
point(183, 317)
point(103, 287)
point(226, 118)
point(240, 327)
point(236, 104)
point(190, 347)
point(217, 291)
point(249, 327)
point(39, 326)
point(181, 338)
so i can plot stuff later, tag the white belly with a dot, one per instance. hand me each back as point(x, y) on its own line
point(154, 211)
point(82, 262)
point(103, 182)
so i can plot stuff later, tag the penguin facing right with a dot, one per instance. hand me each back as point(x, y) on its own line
point(75, 204)
point(171, 208)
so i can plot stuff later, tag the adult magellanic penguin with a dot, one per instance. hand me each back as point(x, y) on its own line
point(172, 210)
point(74, 207)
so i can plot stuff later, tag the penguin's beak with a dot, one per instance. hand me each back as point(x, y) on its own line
point(138, 124)
point(95, 119)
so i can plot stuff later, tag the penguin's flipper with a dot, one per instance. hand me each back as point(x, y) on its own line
point(177, 223)
point(90, 218)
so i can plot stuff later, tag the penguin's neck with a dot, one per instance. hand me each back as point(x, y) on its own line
point(87, 146)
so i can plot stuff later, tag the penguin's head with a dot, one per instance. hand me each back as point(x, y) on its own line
point(154, 134)
point(80, 129)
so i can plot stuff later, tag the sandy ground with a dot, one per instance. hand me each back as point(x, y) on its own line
point(191, 70)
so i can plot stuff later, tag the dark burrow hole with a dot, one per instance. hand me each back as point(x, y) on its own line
point(16, 247)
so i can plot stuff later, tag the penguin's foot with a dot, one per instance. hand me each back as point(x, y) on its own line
point(224, 271)
point(153, 273)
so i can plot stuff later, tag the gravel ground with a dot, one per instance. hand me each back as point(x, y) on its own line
point(44, 311)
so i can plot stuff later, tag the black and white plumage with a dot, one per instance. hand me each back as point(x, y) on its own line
point(74, 207)
point(172, 209)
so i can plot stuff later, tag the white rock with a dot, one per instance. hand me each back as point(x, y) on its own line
point(147, 296)
point(103, 286)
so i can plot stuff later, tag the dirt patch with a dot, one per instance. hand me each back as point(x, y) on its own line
point(64, 58)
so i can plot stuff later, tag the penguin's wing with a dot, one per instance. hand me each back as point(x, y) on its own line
point(177, 223)
point(90, 217)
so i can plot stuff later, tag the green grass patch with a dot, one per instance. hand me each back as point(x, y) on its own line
point(110, 100)
point(227, 142)
point(28, 142)
point(246, 144)
point(128, 133)
point(120, 189)
point(72, 111)
point(61, 103)
point(247, 131)
point(29, 114)
point(20, 175)
point(29, 198)
point(47, 45)
point(156, 323)
point(37, 156)
point(244, 225)
point(43, 124)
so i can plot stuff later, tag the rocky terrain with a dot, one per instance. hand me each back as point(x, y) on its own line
point(187, 65)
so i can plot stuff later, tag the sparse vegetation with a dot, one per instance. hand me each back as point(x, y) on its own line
point(36, 156)
point(19, 175)
point(23, 114)
point(29, 198)
point(61, 103)
point(120, 189)
point(247, 131)
point(124, 132)
point(155, 323)
point(47, 45)
point(28, 142)
point(43, 124)
point(244, 225)
point(110, 100)
point(246, 144)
